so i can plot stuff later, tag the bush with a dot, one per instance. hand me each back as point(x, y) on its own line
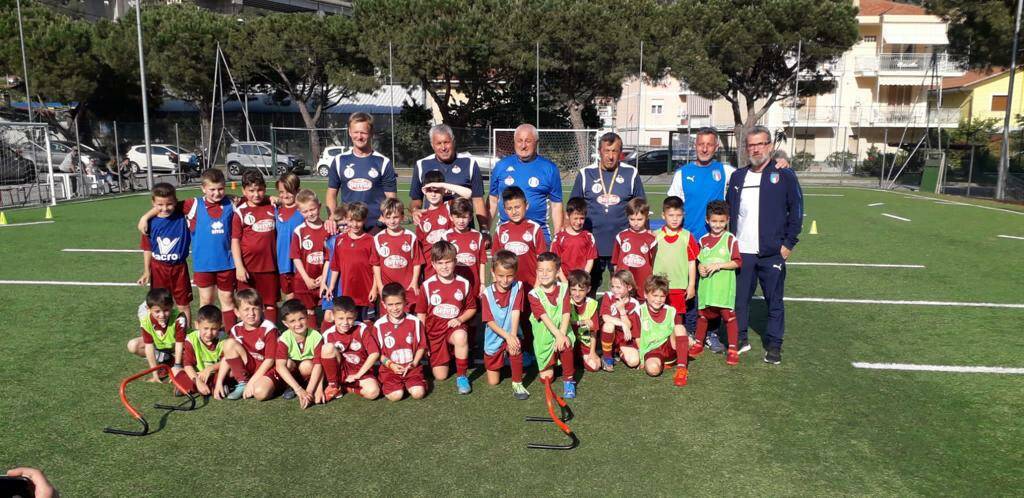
point(841, 161)
point(802, 160)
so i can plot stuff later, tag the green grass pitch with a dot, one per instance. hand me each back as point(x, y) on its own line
point(811, 426)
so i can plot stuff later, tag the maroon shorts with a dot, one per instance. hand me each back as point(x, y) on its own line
point(308, 299)
point(666, 353)
point(288, 282)
point(439, 349)
point(494, 362)
point(391, 382)
point(620, 339)
point(173, 278)
point(266, 285)
point(344, 370)
point(677, 299)
point(224, 280)
point(252, 365)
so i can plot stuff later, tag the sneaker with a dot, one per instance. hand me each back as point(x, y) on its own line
point(289, 394)
point(608, 364)
point(519, 391)
point(732, 357)
point(237, 392)
point(744, 346)
point(696, 350)
point(714, 344)
point(332, 392)
point(680, 377)
point(569, 389)
point(773, 356)
point(462, 382)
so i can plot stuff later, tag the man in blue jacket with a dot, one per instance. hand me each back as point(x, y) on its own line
point(766, 214)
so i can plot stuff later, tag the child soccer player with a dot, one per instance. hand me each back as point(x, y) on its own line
point(503, 338)
point(340, 217)
point(444, 307)
point(396, 253)
point(635, 246)
point(161, 332)
point(620, 315)
point(165, 249)
point(674, 242)
point(402, 345)
point(307, 250)
point(663, 338)
point(549, 319)
point(471, 260)
point(253, 238)
point(250, 350)
point(521, 236)
point(353, 342)
point(287, 218)
point(583, 319)
point(573, 244)
point(435, 218)
point(351, 263)
point(719, 259)
point(204, 348)
point(295, 354)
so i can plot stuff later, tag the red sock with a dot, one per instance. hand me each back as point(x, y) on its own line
point(461, 365)
point(238, 370)
point(185, 382)
point(607, 340)
point(270, 313)
point(516, 361)
point(311, 322)
point(682, 349)
point(229, 318)
point(702, 328)
point(567, 357)
point(330, 369)
point(731, 329)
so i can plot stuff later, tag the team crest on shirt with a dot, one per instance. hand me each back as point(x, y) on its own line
point(447, 311)
point(307, 244)
point(216, 228)
point(634, 260)
point(406, 247)
point(359, 184)
point(517, 248)
point(473, 246)
point(717, 175)
point(435, 299)
point(504, 238)
point(528, 236)
point(774, 178)
point(395, 262)
point(384, 250)
point(456, 170)
point(249, 219)
point(427, 226)
point(263, 226)
point(533, 182)
point(441, 220)
point(260, 344)
point(644, 249)
point(459, 295)
point(349, 172)
point(373, 173)
point(626, 246)
point(509, 180)
point(389, 341)
point(620, 180)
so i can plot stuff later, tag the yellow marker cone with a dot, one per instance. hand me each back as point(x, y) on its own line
point(814, 227)
point(49, 214)
point(234, 186)
point(3, 218)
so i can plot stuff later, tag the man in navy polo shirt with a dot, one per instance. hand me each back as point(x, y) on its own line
point(363, 175)
point(458, 169)
point(766, 214)
point(607, 187)
point(536, 175)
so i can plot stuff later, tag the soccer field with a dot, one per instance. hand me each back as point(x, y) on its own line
point(814, 425)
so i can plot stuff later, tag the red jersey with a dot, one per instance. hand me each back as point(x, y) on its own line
point(255, 228)
point(538, 309)
point(471, 254)
point(443, 301)
point(399, 342)
point(432, 226)
point(501, 299)
point(574, 250)
point(309, 246)
point(354, 347)
point(632, 311)
point(526, 240)
point(396, 255)
point(352, 259)
point(260, 343)
point(634, 251)
point(180, 326)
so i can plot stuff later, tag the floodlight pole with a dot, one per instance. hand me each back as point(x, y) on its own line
point(1004, 161)
point(391, 94)
point(24, 62)
point(145, 100)
point(796, 99)
point(537, 85)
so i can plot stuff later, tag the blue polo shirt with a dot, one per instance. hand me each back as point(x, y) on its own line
point(606, 214)
point(538, 178)
point(363, 179)
point(463, 171)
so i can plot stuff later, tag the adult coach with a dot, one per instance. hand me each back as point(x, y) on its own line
point(536, 175)
point(363, 175)
point(766, 212)
point(458, 169)
point(607, 187)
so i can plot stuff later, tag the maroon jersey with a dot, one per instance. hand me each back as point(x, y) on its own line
point(398, 342)
point(354, 347)
point(309, 246)
point(260, 343)
point(396, 255)
point(180, 327)
point(351, 259)
point(574, 250)
point(443, 301)
point(634, 251)
point(471, 254)
point(501, 299)
point(632, 311)
point(524, 239)
point(255, 228)
point(432, 226)
point(538, 309)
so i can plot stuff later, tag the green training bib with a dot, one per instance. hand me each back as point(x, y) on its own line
point(543, 339)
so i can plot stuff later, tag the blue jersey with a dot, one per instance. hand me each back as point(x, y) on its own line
point(285, 227)
point(463, 171)
point(538, 178)
point(606, 211)
point(502, 316)
point(363, 179)
point(212, 250)
point(326, 304)
point(698, 186)
point(170, 239)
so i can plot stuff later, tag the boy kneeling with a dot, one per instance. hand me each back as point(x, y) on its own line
point(353, 342)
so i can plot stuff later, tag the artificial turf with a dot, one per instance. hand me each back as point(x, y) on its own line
point(811, 426)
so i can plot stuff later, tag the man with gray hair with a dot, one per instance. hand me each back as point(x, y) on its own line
point(536, 175)
point(458, 168)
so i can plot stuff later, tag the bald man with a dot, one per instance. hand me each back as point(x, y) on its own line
point(536, 175)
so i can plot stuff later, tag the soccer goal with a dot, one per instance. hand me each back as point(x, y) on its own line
point(569, 149)
point(27, 166)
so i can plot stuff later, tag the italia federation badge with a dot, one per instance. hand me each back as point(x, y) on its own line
point(717, 175)
point(774, 178)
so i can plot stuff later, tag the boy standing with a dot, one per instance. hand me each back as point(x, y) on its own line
point(295, 355)
point(340, 219)
point(673, 242)
point(348, 354)
point(502, 307)
point(435, 218)
point(351, 263)
point(719, 259)
point(523, 237)
point(583, 319)
point(209, 219)
point(471, 260)
point(444, 307)
point(663, 339)
point(635, 246)
point(549, 318)
point(287, 218)
point(253, 239)
point(573, 244)
point(402, 345)
point(167, 267)
point(161, 332)
point(396, 253)
point(307, 250)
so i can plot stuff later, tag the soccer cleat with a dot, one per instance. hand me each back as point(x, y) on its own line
point(289, 394)
point(680, 378)
point(462, 382)
point(608, 364)
point(744, 346)
point(332, 392)
point(696, 350)
point(519, 391)
point(732, 357)
point(714, 344)
point(773, 356)
point(237, 392)
point(569, 389)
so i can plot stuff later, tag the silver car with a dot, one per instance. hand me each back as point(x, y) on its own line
point(260, 156)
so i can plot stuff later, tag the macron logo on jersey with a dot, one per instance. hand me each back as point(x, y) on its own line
point(165, 245)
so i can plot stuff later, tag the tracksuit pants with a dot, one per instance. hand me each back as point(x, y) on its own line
point(770, 272)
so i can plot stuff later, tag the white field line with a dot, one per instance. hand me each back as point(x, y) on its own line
point(824, 195)
point(72, 283)
point(28, 223)
point(948, 203)
point(102, 250)
point(914, 196)
point(937, 368)
point(876, 204)
point(1010, 237)
point(861, 265)
point(893, 216)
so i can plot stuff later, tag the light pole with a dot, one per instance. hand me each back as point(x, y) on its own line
point(24, 61)
point(1004, 162)
point(145, 103)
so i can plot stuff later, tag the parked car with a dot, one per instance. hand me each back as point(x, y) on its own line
point(260, 156)
point(15, 169)
point(652, 162)
point(323, 164)
point(59, 149)
point(165, 157)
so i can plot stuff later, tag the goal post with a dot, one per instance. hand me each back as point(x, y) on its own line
point(570, 149)
point(27, 166)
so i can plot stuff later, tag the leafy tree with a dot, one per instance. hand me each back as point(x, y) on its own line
point(982, 30)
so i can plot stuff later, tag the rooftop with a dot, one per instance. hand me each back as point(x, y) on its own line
point(880, 7)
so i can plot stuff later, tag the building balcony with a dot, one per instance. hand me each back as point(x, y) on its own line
point(809, 116)
point(916, 64)
point(915, 116)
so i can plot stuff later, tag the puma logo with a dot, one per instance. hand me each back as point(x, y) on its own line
point(692, 178)
point(778, 266)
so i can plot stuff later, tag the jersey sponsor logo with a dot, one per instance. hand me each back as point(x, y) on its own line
point(435, 236)
point(517, 248)
point(509, 180)
point(216, 228)
point(716, 175)
point(263, 226)
point(634, 260)
point(608, 199)
point(533, 182)
point(446, 311)
point(774, 178)
point(373, 173)
point(359, 184)
point(315, 258)
point(403, 355)
point(166, 245)
point(465, 259)
point(396, 262)
point(307, 244)
point(352, 359)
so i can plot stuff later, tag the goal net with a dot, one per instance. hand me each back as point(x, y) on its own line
point(27, 166)
point(570, 150)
